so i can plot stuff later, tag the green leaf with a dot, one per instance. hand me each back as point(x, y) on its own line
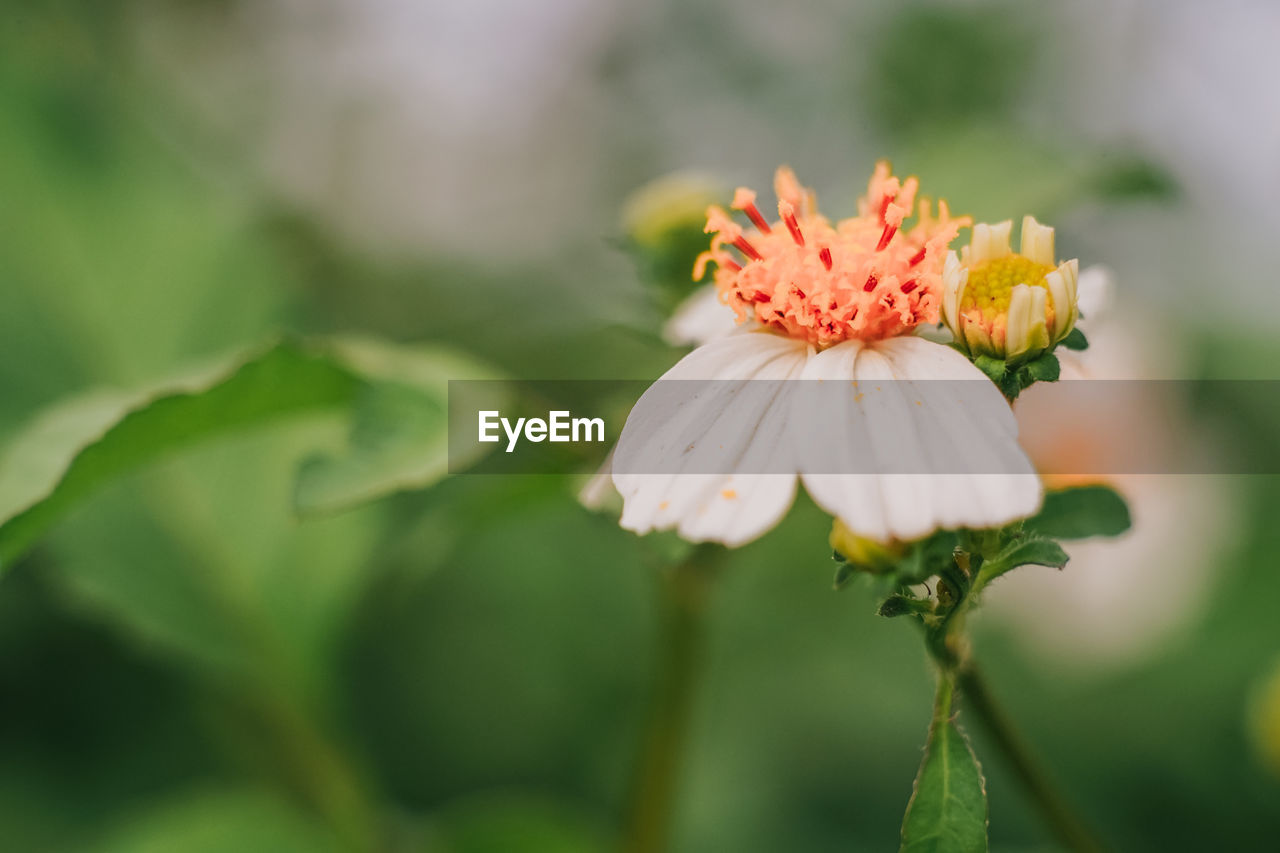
point(400, 432)
point(491, 823)
point(217, 821)
point(1081, 512)
point(994, 368)
point(1045, 368)
point(1130, 177)
point(901, 605)
point(72, 449)
point(948, 808)
point(1075, 340)
point(1032, 551)
point(845, 572)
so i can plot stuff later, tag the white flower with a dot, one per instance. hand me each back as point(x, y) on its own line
point(969, 437)
point(839, 305)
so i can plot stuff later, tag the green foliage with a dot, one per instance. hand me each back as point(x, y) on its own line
point(75, 448)
point(1043, 369)
point(948, 64)
point(928, 557)
point(995, 170)
point(79, 445)
point(1027, 551)
point(1013, 378)
point(1081, 512)
point(845, 572)
point(993, 367)
point(1129, 177)
point(216, 822)
point(527, 824)
point(899, 604)
point(399, 436)
point(1075, 340)
point(948, 808)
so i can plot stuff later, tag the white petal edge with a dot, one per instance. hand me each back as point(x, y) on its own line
point(686, 440)
point(988, 242)
point(965, 432)
point(1037, 241)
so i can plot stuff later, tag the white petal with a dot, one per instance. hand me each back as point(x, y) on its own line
point(989, 241)
point(1094, 292)
point(1060, 290)
point(701, 317)
point(1037, 241)
point(897, 418)
point(1017, 337)
point(685, 430)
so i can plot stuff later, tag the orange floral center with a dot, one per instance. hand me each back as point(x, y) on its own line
point(864, 277)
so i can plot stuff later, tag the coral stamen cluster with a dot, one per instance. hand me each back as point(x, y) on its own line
point(864, 277)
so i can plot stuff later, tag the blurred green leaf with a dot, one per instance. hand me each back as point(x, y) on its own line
point(994, 171)
point(219, 822)
point(77, 446)
point(943, 64)
point(400, 436)
point(1081, 512)
point(948, 809)
point(1130, 177)
point(493, 824)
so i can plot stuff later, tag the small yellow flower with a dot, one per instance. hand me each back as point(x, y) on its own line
point(1006, 305)
point(865, 554)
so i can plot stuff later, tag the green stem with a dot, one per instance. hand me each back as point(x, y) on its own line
point(1066, 825)
point(682, 601)
point(942, 699)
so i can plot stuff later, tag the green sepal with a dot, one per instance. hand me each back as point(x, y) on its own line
point(1012, 383)
point(902, 605)
point(927, 558)
point(994, 368)
point(1081, 512)
point(1043, 369)
point(1075, 340)
point(845, 572)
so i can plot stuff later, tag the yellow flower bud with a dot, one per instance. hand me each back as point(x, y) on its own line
point(668, 207)
point(1011, 306)
point(862, 553)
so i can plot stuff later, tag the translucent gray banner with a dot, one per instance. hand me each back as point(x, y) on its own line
point(1070, 428)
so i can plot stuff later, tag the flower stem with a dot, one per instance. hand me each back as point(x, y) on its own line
point(682, 603)
point(1066, 825)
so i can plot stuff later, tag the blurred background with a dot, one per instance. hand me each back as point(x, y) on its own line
point(185, 664)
